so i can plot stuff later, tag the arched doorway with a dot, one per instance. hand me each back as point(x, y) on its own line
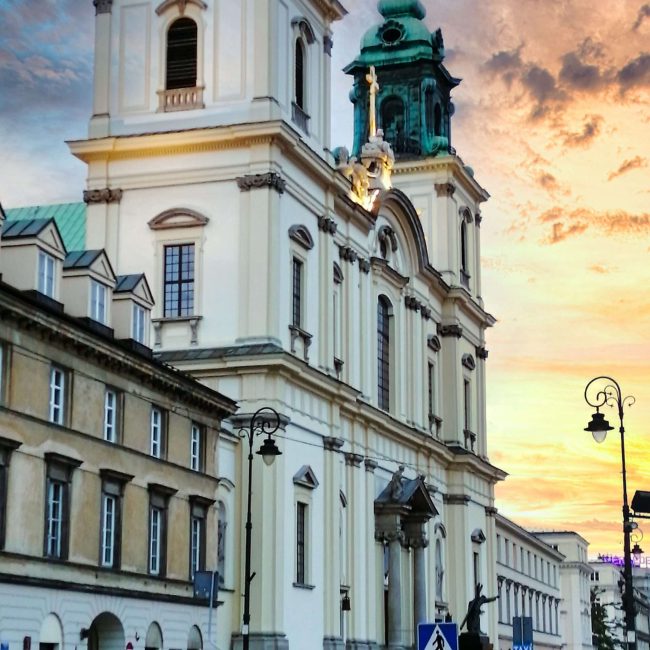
point(106, 633)
point(154, 639)
point(51, 636)
point(194, 639)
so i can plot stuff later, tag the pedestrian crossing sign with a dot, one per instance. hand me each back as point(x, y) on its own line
point(437, 636)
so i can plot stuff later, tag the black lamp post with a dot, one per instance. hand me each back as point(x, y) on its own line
point(264, 421)
point(610, 394)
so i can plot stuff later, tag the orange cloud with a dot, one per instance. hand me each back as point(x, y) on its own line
point(628, 165)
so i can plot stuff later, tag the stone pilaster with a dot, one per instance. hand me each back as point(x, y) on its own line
point(99, 122)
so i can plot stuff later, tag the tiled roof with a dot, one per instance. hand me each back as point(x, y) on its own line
point(70, 219)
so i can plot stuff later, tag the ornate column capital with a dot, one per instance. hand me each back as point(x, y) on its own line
point(333, 443)
point(103, 6)
point(371, 465)
point(106, 195)
point(445, 189)
point(354, 460)
point(272, 180)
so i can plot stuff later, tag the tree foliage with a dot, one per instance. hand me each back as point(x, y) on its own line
point(603, 628)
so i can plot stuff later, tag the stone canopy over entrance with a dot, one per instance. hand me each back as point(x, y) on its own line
point(401, 513)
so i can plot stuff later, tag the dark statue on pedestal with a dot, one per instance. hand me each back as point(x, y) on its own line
point(473, 639)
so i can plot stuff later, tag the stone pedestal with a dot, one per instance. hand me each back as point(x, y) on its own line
point(473, 641)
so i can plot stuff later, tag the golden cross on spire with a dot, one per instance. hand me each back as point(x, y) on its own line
point(371, 78)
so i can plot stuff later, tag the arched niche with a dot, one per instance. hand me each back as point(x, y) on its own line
point(154, 638)
point(194, 639)
point(51, 634)
point(106, 633)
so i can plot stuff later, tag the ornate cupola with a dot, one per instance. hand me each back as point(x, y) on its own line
point(414, 108)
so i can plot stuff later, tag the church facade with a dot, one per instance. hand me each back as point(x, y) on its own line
point(342, 290)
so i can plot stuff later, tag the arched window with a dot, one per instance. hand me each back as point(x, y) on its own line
point(383, 352)
point(181, 54)
point(392, 122)
point(299, 72)
point(440, 571)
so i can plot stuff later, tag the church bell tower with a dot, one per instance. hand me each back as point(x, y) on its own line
point(414, 106)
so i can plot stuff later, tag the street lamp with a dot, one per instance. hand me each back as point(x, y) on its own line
point(264, 421)
point(610, 394)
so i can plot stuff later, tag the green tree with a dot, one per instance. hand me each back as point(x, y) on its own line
point(603, 628)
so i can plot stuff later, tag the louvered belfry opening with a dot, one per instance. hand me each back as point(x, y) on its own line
point(181, 54)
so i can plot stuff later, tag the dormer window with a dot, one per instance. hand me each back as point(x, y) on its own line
point(46, 274)
point(98, 302)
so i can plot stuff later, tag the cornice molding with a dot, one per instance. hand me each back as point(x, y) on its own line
point(180, 4)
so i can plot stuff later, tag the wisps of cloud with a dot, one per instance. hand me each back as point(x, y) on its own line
point(644, 12)
point(590, 130)
point(628, 165)
point(600, 269)
point(569, 223)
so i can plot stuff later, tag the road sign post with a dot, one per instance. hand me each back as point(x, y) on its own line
point(437, 636)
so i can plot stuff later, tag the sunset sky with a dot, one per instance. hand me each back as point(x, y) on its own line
point(553, 115)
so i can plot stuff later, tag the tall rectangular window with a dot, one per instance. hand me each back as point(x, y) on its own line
point(431, 388)
point(57, 504)
point(477, 568)
point(383, 353)
point(179, 281)
point(57, 395)
point(198, 514)
point(54, 516)
point(157, 448)
point(467, 413)
point(46, 274)
point(139, 324)
point(301, 543)
point(110, 415)
point(196, 448)
point(196, 527)
point(7, 447)
point(155, 539)
point(296, 293)
point(109, 507)
point(158, 503)
point(97, 301)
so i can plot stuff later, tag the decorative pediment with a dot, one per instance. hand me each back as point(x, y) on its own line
point(134, 286)
point(301, 24)
point(305, 477)
point(468, 361)
point(181, 4)
point(177, 218)
point(94, 263)
point(301, 236)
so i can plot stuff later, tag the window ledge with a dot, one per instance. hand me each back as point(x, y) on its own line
point(305, 337)
point(158, 324)
point(302, 585)
point(338, 367)
point(180, 99)
point(465, 278)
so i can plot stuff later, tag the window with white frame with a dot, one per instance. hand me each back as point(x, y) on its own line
point(98, 301)
point(7, 447)
point(198, 515)
point(109, 515)
point(157, 424)
point(57, 504)
point(155, 539)
point(57, 395)
point(4, 372)
point(111, 399)
point(296, 292)
point(158, 504)
point(196, 447)
point(139, 324)
point(179, 281)
point(46, 267)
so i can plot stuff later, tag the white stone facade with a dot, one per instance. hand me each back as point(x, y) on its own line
point(239, 187)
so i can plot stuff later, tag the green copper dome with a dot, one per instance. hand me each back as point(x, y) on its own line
point(390, 8)
point(413, 101)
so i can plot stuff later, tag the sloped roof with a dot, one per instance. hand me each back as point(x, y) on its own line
point(70, 219)
point(81, 259)
point(126, 283)
point(26, 228)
